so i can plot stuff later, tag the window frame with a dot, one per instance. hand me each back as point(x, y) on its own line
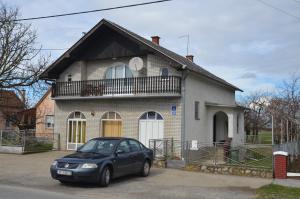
point(46, 123)
point(196, 110)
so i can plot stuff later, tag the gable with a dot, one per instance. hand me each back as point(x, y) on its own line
point(105, 49)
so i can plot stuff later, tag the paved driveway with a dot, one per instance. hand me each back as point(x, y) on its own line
point(31, 172)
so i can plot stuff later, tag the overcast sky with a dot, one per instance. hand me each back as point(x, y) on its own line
point(245, 42)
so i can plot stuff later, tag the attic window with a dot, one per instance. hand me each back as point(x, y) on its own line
point(69, 78)
point(164, 72)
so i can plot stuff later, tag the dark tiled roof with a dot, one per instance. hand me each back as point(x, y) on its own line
point(171, 55)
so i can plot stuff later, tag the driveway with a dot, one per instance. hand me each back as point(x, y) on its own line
point(30, 174)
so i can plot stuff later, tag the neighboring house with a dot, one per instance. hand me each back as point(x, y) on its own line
point(26, 119)
point(10, 106)
point(45, 114)
point(113, 82)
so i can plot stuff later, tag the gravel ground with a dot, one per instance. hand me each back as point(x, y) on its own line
point(31, 171)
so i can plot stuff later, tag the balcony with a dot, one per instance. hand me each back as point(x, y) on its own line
point(155, 86)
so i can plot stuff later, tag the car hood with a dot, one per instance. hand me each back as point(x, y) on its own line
point(85, 156)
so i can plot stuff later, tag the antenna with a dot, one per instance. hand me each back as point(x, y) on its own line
point(187, 36)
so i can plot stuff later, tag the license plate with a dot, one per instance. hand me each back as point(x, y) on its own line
point(65, 173)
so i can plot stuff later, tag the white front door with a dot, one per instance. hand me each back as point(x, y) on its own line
point(76, 133)
point(151, 126)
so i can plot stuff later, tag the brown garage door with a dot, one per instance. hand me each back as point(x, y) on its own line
point(112, 128)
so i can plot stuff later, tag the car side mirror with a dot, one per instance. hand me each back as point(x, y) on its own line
point(119, 151)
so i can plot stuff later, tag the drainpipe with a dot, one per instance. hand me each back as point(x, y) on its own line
point(184, 75)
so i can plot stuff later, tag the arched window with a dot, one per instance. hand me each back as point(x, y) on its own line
point(151, 115)
point(111, 116)
point(76, 135)
point(118, 71)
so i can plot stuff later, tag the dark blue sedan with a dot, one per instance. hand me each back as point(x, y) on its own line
point(102, 159)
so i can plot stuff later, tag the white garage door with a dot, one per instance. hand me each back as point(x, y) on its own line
point(151, 126)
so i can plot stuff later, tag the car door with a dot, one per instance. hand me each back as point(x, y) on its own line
point(136, 155)
point(123, 161)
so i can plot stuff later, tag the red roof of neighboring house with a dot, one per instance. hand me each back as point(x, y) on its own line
point(9, 99)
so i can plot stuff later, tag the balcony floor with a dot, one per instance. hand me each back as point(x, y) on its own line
point(119, 96)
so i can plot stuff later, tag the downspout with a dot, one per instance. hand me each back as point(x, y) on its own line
point(184, 75)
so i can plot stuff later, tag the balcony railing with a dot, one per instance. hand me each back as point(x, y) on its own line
point(154, 85)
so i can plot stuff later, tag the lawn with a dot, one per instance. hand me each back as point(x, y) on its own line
point(264, 137)
point(273, 191)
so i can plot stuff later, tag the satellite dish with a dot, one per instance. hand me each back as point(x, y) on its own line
point(136, 63)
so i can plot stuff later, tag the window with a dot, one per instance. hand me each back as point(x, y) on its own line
point(69, 78)
point(151, 115)
point(49, 121)
point(164, 72)
point(7, 122)
point(124, 147)
point(197, 110)
point(111, 116)
point(134, 145)
point(118, 71)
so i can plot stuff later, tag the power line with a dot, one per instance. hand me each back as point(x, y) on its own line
point(279, 9)
point(90, 11)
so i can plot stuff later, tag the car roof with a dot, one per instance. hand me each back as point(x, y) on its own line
point(113, 138)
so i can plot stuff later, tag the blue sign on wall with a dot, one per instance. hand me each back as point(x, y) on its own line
point(173, 110)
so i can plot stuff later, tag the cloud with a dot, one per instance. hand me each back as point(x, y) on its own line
point(248, 75)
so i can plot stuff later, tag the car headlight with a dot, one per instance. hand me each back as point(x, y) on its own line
point(89, 166)
point(54, 163)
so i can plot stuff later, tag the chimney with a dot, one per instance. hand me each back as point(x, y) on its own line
point(190, 57)
point(155, 39)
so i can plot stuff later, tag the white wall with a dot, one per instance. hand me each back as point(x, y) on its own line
point(96, 69)
point(200, 89)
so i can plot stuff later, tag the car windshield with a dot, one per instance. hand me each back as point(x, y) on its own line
point(99, 146)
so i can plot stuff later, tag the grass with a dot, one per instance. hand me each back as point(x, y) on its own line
point(264, 137)
point(38, 147)
point(273, 191)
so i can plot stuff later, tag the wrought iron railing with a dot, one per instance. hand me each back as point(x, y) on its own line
point(122, 86)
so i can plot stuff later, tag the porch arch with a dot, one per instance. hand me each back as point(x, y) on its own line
point(220, 126)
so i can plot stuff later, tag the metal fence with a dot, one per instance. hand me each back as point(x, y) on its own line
point(214, 153)
point(29, 140)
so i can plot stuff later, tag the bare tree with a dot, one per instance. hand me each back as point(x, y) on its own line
point(20, 63)
point(256, 117)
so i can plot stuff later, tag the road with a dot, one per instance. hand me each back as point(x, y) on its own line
point(28, 176)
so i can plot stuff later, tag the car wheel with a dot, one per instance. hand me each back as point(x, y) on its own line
point(105, 177)
point(145, 169)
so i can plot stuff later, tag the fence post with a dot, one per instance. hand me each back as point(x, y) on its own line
point(187, 152)
point(154, 147)
point(172, 147)
point(166, 149)
point(215, 153)
point(23, 135)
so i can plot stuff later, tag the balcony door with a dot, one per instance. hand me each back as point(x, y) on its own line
point(76, 135)
point(119, 74)
point(119, 70)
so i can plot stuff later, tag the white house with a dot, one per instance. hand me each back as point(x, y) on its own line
point(113, 82)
